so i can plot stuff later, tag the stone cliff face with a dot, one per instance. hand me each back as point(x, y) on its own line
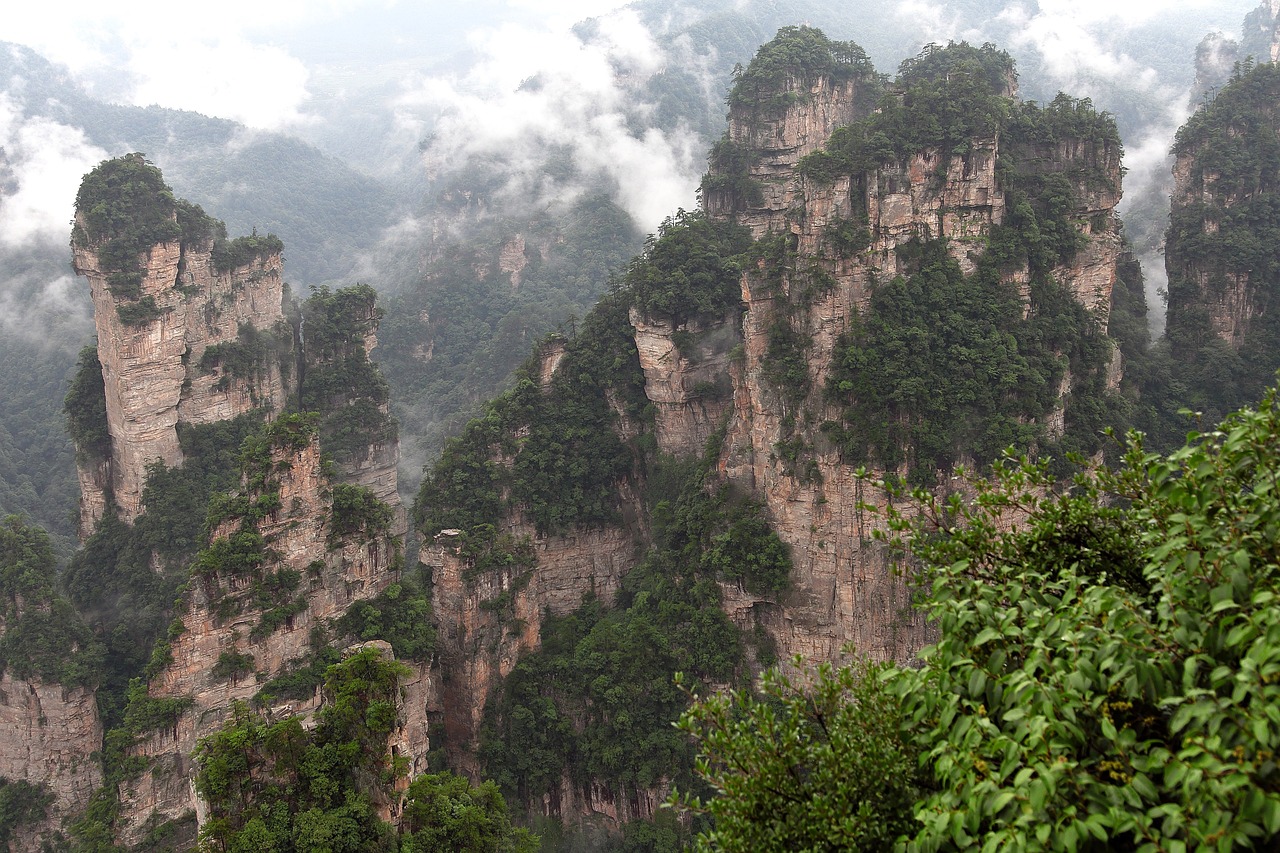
point(51, 735)
point(686, 377)
point(487, 620)
point(1226, 294)
point(844, 589)
point(234, 640)
point(823, 246)
point(778, 138)
point(1261, 37)
point(154, 365)
point(373, 462)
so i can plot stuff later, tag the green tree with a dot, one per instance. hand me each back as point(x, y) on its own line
point(1106, 676)
point(446, 812)
point(816, 769)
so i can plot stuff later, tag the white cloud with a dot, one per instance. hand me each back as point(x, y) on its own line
point(185, 56)
point(535, 90)
point(45, 161)
point(260, 86)
point(1071, 49)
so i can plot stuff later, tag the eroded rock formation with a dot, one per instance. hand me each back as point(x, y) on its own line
point(158, 366)
point(51, 735)
point(250, 621)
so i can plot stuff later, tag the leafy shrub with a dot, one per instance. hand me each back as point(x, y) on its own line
point(687, 270)
point(43, 636)
point(357, 512)
point(1105, 676)
point(138, 313)
point(85, 407)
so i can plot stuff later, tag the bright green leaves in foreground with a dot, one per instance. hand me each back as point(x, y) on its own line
point(822, 769)
point(1105, 678)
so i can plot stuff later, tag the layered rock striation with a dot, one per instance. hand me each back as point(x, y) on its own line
point(818, 287)
point(1224, 282)
point(747, 358)
point(52, 737)
point(281, 564)
point(188, 330)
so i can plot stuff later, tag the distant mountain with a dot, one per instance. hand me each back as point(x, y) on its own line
point(329, 216)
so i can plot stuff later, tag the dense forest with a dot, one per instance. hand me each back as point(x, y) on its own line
point(640, 606)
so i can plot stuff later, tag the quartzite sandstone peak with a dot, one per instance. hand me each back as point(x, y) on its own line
point(153, 336)
point(709, 377)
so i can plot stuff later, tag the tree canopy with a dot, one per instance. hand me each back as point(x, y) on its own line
point(1107, 671)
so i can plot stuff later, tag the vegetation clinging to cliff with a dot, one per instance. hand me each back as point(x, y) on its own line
point(800, 53)
point(1106, 673)
point(123, 208)
point(1000, 359)
point(1224, 239)
point(597, 699)
point(564, 471)
point(687, 271)
point(85, 408)
point(43, 637)
point(338, 379)
point(943, 99)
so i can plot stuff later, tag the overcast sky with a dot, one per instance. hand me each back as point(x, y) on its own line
point(256, 62)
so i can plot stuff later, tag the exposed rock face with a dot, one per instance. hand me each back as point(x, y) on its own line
point(151, 368)
point(94, 475)
point(686, 377)
point(844, 589)
point(487, 620)
point(372, 464)
point(222, 622)
point(1261, 38)
point(779, 138)
point(1226, 295)
point(50, 736)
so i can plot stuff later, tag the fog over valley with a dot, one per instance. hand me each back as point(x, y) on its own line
point(596, 425)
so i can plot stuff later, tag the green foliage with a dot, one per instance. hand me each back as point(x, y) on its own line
point(230, 255)
point(249, 356)
point(446, 812)
point(113, 582)
point(233, 664)
point(597, 700)
point(1125, 694)
point(305, 675)
point(337, 379)
point(801, 53)
point(138, 313)
point(566, 467)
point(21, 803)
point(85, 407)
point(816, 765)
point(43, 637)
point(452, 342)
point(940, 328)
point(276, 786)
point(1105, 677)
point(145, 713)
point(356, 511)
point(123, 208)
point(401, 615)
point(786, 363)
point(942, 100)
point(1223, 239)
point(729, 174)
point(687, 270)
